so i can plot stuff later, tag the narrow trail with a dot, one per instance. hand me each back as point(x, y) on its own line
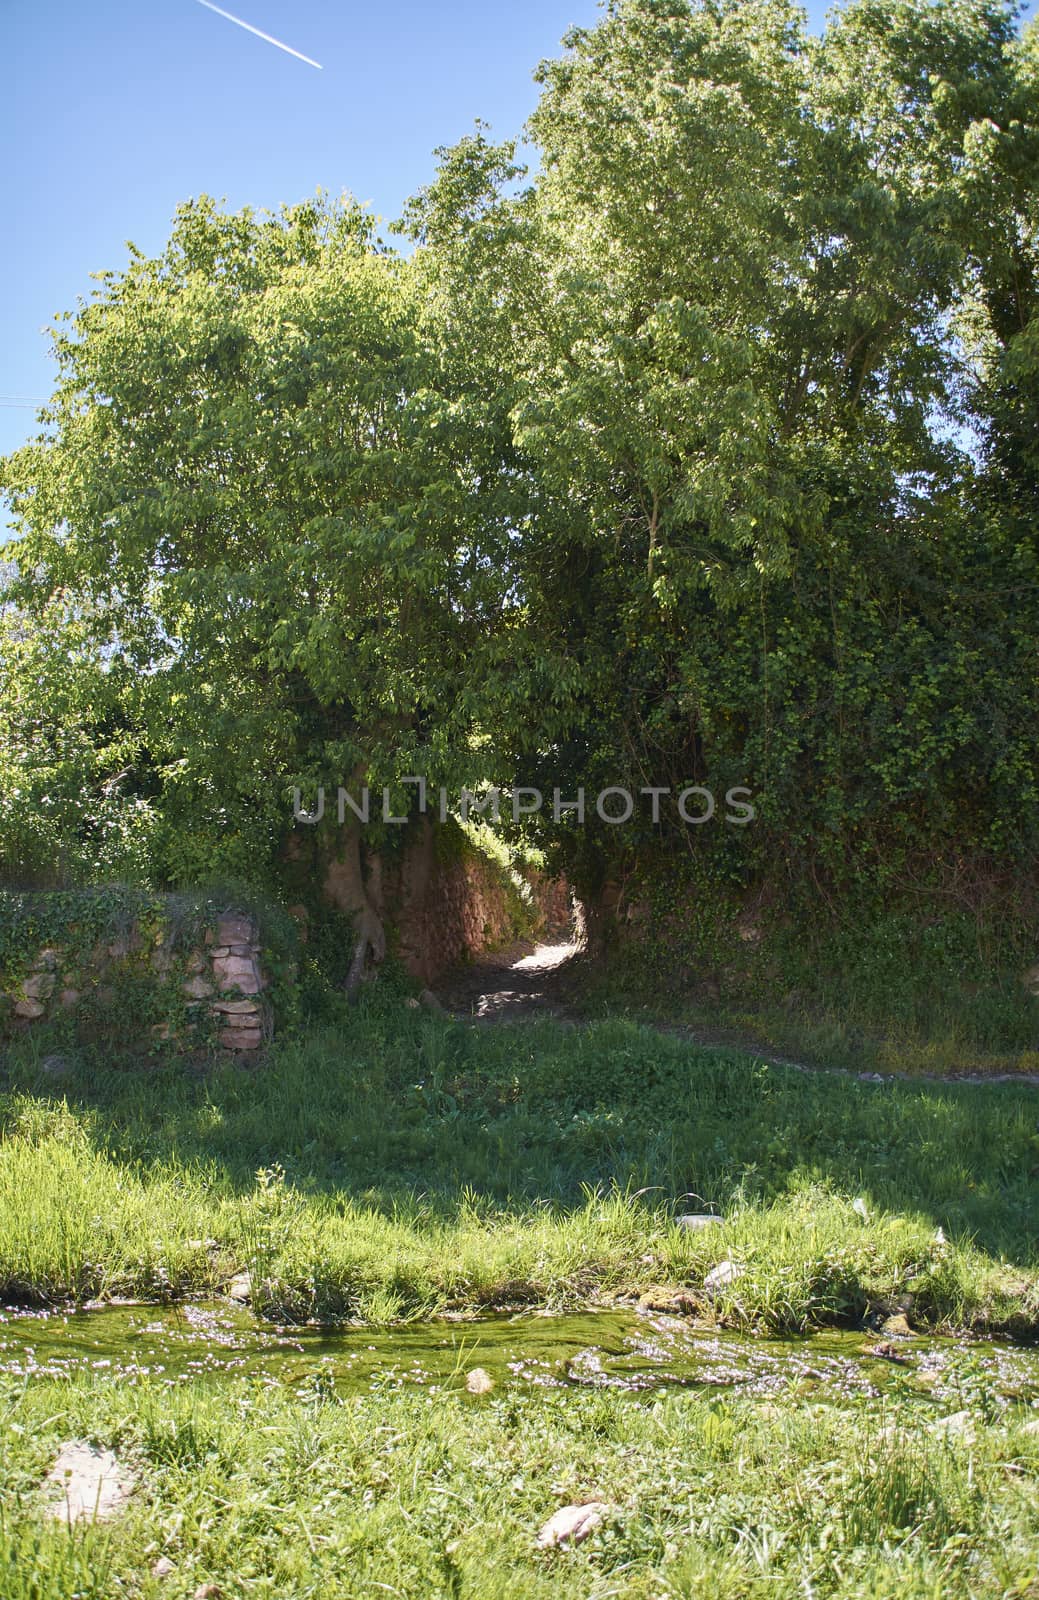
point(512, 985)
point(525, 982)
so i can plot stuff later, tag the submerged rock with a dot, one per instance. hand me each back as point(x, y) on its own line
point(887, 1352)
point(93, 1483)
point(571, 1524)
point(677, 1302)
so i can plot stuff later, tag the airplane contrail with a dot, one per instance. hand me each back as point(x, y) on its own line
point(260, 34)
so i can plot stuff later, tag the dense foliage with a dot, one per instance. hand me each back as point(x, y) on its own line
point(707, 455)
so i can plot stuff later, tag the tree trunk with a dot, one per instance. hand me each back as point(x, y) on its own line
point(344, 887)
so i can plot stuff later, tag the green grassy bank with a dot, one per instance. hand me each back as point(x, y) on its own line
point(399, 1165)
point(266, 1492)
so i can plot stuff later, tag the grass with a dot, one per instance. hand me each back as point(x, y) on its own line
point(911, 987)
point(399, 1165)
point(265, 1491)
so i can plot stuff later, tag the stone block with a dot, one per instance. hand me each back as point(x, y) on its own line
point(234, 930)
point(237, 972)
point(29, 1009)
point(241, 1038)
point(40, 986)
point(197, 988)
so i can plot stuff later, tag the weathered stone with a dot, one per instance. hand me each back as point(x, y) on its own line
point(163, 1567)
point(196, 962)
point(92, 1482)
point(241, 1038)
point(724, 1274)
point(960, 1425)
point(40, 986)
point(247, 982)
point(56, 1067)
point(68, 998)
point(220, 950)
point(571, 1524)
point(478, 1381)
point(232, 967)
point(676, 1302)
point(694, 1221)
point(234, 930)
point(47, 959)
point(240, 1287)
point(196, 988)
point(29, 1009)
point(237, 1008)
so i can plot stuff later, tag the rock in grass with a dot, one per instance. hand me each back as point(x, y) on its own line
point(960, 1425)
point(478, 1381)
point(694, 1221)
point(429, 1001)
point(92, 1482)
point(571, 1524)
point(721, 1276)
point(57, 1067)
point(162, 1568)
point(240, 1288)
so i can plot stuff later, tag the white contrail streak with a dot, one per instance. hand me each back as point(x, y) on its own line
point(260, 34)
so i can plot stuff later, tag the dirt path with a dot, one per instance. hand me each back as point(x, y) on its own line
point(526, 981)
point(512, 985)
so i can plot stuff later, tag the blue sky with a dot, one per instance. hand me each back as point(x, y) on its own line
point(114, 112)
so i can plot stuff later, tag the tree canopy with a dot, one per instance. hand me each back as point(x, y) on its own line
point(705, 454)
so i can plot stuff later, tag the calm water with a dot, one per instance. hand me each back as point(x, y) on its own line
point(615, 1350)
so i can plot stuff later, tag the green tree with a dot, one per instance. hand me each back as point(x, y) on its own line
point(724, 309)
point(273, 509)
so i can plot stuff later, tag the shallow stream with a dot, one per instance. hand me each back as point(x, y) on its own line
point(622, 1350)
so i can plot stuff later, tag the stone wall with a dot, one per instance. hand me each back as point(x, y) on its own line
point(212, 990)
